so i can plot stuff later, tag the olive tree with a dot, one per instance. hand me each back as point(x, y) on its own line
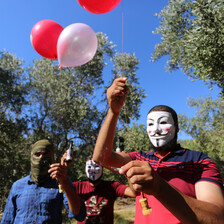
point(192, 36)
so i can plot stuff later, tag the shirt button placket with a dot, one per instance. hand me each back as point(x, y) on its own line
point(36, 205)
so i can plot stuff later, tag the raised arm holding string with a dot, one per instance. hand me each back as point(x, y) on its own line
point(103, 154)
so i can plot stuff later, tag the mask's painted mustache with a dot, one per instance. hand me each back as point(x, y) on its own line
point(158, 135)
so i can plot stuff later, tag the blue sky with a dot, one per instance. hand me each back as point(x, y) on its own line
point(18, 17)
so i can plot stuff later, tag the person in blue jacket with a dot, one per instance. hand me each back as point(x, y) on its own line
point(36, 198)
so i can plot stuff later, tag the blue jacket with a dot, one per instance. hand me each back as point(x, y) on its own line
point(29, 203)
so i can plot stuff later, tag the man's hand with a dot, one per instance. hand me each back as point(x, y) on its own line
point(142, 176)
point(116, 94)
point(58, 171)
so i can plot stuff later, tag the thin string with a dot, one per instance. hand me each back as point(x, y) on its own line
point(122, 28)
point(122, 48)
point(122, 38)
point(122, 68)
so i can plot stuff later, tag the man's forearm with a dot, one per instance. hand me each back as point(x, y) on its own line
point(74, 201)
point(187, 209)
point(104, 143)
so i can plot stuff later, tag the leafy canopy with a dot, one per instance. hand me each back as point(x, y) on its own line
point(192, 35)
point(206, 128)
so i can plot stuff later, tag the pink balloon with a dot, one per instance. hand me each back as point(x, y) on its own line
point(77, 45)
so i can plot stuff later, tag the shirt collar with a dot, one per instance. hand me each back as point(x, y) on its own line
point(178, 151)
point(29, 180)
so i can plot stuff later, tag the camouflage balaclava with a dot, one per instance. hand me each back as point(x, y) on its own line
point(40, 165)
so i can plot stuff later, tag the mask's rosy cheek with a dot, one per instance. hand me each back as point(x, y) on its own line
point(150, 131)
point(167, 128)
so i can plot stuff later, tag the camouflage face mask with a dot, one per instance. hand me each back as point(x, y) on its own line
point(40, 165)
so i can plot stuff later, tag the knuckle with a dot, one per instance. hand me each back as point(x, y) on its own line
point(137, 187)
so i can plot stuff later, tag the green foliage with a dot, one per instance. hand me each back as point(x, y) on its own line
point(12, 90)
point(135, 138)
point(112, 176)
point(192, 36)
point(190, 144)
point(43, 101)
point(207, 128)
point(63, 101)
point(14, 160)
point(126, 65)
point(118, 219)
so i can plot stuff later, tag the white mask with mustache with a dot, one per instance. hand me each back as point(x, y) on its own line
point(160, 128)
point(93, 170)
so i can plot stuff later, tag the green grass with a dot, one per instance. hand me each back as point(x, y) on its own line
point(121, 220)
point(124, 209)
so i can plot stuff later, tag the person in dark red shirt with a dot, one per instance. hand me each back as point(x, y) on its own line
point(99, 195)
point(181, 185)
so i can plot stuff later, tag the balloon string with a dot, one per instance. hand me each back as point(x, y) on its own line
point(122, 49)
point(122, 34)
point(122, 29)
point(120, 73)
point(123, 63)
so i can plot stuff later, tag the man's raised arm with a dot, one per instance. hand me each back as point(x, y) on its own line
point(103, 154)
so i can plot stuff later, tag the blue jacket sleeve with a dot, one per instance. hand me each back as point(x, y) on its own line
point(10, 208)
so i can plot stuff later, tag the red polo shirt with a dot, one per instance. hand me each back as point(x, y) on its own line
point(182, 168)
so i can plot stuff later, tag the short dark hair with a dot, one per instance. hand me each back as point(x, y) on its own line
point(167, 109)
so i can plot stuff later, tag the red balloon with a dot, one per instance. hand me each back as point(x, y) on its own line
point(44, 36)
point(99, 6)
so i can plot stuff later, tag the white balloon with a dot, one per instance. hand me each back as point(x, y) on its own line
point(77, 45)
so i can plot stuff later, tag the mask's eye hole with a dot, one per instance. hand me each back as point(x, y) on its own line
point(37, 154)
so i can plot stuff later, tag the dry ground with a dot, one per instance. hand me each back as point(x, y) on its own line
point(125, 207)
